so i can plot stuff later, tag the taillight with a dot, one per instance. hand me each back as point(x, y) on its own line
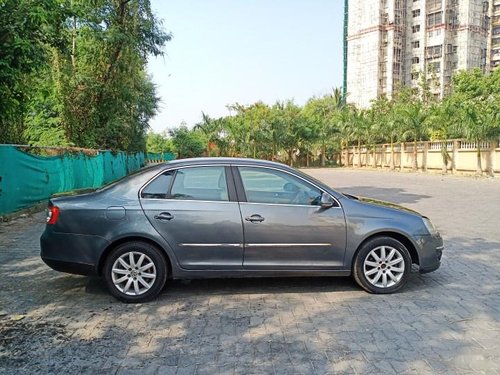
point(52, 215)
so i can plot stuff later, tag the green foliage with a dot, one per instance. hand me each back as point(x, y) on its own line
point(73, 72)
point(473, 107)
point(318, 131)
point(475, 104)
point(187, 143)
point(26, 29)
point(158, 143)
point(43, 118)
point(324, 115)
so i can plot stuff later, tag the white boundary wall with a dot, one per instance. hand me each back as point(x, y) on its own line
point(462, 156)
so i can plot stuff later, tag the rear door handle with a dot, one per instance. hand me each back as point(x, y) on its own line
point(164, 216)
point(254, 218)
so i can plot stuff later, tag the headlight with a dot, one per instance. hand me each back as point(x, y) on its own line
point(430, 227)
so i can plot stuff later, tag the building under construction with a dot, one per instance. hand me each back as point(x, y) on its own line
point(389, 43)
point(494, 40)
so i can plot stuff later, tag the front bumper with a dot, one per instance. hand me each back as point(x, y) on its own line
point(71, 253)
point(430, 252)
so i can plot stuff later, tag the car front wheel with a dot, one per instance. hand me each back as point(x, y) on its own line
point(382, 265)
point(135, 272)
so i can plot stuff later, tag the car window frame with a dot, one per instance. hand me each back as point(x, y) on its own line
point(230, 184)
point(242, 198)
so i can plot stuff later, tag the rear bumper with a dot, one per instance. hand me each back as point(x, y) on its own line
point(71, 253)
point(430, 253)
point(70, 267)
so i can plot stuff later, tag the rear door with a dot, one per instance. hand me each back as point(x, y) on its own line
point(284, 225)
point(196, 211)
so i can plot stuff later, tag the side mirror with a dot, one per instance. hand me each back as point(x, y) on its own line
point(326, 200)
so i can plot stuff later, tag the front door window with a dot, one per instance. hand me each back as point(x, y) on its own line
point(272, 186)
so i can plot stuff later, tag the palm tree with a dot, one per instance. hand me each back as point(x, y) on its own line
point(322, 114)
point(393, 129)
point(345, 131)
point(415, 118)
point(479, 123)
point(378, 116)
point(209, 127)
point(296, 131)
point(371, 134)
point(359, 128)
point(476, 97)
point(441, 123)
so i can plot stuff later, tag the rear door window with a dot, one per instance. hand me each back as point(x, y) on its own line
point(200, 183)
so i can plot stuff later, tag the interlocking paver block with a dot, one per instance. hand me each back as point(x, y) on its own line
point(445, 322)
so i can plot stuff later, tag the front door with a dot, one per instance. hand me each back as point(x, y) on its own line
point(191, 208)
point(284, 225)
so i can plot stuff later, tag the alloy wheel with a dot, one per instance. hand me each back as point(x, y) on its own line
point(133, 273)
point(384, 266)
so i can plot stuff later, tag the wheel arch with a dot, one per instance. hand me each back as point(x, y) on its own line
point(397, 236)
point(123, 240)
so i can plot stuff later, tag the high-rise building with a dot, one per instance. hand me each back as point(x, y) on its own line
point(494, 41)
point(405, 42)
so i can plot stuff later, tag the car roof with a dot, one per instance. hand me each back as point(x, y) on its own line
point(224, 160)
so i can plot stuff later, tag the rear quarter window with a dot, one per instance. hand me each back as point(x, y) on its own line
point(158, 188)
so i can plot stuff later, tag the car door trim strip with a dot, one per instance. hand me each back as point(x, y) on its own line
point(252, 244)
point(211, 244)
point(285, 244)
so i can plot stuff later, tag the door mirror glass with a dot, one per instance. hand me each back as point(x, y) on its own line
point(326, 200)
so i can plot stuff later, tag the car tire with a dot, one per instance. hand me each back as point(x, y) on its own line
point(135, 272)
point(382, 265)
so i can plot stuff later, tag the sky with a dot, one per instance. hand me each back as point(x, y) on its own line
point(242, 51)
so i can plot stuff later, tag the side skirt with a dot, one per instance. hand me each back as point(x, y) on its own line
point(221, 274)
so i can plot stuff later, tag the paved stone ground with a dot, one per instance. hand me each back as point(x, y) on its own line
point(443, 322)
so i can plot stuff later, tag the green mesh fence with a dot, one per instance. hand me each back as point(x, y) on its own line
point(26, 179)
point(156, 157)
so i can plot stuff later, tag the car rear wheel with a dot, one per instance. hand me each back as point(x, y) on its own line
point(135, 272)
point(382, 265)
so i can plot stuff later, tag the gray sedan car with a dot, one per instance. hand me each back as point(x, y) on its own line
point(228, 217)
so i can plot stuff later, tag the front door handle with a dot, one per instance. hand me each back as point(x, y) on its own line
point(164, 216)
point(254, 218)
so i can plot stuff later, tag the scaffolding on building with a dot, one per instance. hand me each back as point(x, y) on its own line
point(346, 24)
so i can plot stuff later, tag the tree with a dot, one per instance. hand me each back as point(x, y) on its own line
point(109, 98)
point(442, 122)
point(158, 142)
point(359, 128)
point(187, 143)
point(27, 31)
point(211, 129)
point(475, 101)
point(323, 114)
point(384, 124)
point(413, 114)
point(74, 72)
point(223, 140)
point(346, 130)
point(295, 131)
point(254, 130)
